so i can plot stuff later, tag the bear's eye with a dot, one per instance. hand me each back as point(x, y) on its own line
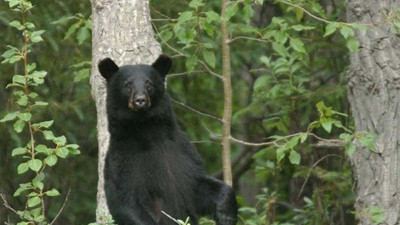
point(128, 87)
point(148, 86)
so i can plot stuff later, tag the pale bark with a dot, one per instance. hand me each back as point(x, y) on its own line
point(374, 84)
point(122, 31)
point(227, 117)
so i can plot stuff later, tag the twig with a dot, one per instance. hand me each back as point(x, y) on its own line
point(184, 73)
point(170, 217)
point(62, 207)
point(312, 167)
point(196, 110)
point(158, 20)
point(163, 41)
point(160, 13)
point(210, 71)
point(316, 17)
point(253, 144)
point(5, 203)
point(249, 38)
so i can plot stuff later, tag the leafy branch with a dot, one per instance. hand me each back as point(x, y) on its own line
point(37, 157)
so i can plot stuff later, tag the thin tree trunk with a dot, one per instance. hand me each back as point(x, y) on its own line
point(226, 73)
point(122, 31)
point(373, 91)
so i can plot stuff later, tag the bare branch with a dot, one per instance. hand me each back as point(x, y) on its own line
point(253, 144)
point(5, 203)
point(312, 167)
point(170, 217)
point(62, 207)
point(183, 74)
point(249, 38)
point(210, 71)
point(196, 110)
point(314, 16)
point(168, 45)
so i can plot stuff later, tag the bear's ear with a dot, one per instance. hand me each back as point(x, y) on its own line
point(107, 68)
point(163, 65)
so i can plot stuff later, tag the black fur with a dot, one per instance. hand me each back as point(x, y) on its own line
point(151, 166)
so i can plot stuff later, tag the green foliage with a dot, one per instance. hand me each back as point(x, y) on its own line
point(35, 156)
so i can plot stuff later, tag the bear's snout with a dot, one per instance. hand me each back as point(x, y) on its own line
point(139, 101)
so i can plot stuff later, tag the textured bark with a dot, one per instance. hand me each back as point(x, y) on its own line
point(122, 31)
point(227, 117)
point(374, 83)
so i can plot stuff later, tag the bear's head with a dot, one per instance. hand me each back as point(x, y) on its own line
point(135, 87)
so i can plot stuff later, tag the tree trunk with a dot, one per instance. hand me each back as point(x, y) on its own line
point(374, 84)
point(122, 31)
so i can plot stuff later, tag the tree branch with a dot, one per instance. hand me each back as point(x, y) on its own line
point(312, 167)
point(62, 207)
point(195, 110)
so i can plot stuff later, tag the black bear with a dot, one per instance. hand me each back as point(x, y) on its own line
point(151, 166)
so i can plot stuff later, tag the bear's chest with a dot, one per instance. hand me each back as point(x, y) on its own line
point(150, 168)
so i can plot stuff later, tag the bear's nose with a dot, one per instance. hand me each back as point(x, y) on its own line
point(140, 100)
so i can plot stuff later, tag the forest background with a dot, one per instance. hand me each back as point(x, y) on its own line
point(292, 130)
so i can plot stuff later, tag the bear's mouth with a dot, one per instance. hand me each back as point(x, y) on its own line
point(138, 107)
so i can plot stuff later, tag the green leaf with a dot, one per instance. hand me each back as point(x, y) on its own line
point(326, 124)
point(280, 153)
point(35, 164)
point(213, 16)
point(303, 137)
point(30, 25)
point(25, 116)
point(280, 49)
point(196, 3)
point(38, 184)
point(18, 79)
point(299, 13)
point(22, 188)
point(166, 35)
point(34, 201)
point(297, 45)
point(60, 140)
point(62, 152)
point(190, 63)
point(71, 30)
point(83, 34)
point(16, 24)
point(53, 192)
point(63, 19)
point(185, 16)
point(294, 157)
point(42, 149)
point(51, 160)
point(19, 126)
point(378, 219)
point(300, 27)
point(347, 32)
point(209, 57)
point(82, 74)
point(40, 103)
point(353, 44)
point(48, 135)
point(23, 100)
point(36, 36)
point(9, 117)
point(350, 148)
point(18, 151)
point(22, 168)
point(266, 60)
point(45, 124)
point(331, 28)
point(231, 10)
